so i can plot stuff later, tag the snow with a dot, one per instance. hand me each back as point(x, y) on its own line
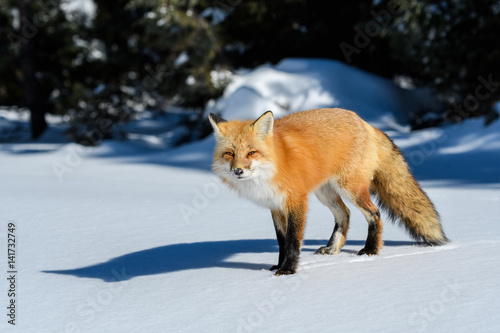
point(126, 237)
point(87, 7)
point(295, 85)
point(181, 59)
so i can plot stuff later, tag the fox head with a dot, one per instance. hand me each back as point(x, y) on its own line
point(244, 148)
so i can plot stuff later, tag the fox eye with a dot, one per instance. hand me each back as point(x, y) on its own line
point(228, 153)
point(251, 153)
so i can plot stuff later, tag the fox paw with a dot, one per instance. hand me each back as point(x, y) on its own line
point(327, 250)
point(275, 267)
point(284, 271)
point(367, 251)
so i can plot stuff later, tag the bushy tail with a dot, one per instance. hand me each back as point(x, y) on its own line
point(400, 194)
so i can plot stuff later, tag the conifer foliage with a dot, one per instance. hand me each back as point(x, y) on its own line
point(102, 68)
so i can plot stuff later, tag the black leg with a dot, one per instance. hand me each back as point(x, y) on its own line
point(281, 243)
point(374, 239)
point(279, 225)
point(293, 240)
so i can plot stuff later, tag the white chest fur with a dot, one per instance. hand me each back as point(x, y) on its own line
point(257, 187)
point(261, 192)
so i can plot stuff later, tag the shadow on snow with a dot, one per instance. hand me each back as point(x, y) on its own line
point(188, 256)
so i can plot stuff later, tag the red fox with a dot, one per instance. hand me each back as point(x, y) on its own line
point(333, 153)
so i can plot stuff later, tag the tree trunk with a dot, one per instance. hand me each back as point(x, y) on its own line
point(33, 97)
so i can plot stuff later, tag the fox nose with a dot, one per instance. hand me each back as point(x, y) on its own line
point(238, 171)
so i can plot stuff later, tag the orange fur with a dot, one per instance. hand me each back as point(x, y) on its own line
point(331, 152)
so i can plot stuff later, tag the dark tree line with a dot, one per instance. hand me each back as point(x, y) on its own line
point(136, 54)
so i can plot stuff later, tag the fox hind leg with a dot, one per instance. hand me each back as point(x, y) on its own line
point(327, 195)
point(370, 211)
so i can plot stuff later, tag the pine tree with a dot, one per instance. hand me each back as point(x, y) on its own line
point(133, 54)
point(10, 94)
point(38, 55)
point(153, 52)
point(259, 31)
point(452, 46)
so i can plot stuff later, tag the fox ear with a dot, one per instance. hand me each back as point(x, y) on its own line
point(214, 121)
point(264, 124)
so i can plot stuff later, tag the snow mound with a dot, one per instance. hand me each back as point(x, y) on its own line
point(300, 84)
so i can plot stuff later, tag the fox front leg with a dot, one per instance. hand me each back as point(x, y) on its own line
point(279, 220)
point(289, 257)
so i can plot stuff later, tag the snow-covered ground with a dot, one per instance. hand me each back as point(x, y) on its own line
point(129, 238)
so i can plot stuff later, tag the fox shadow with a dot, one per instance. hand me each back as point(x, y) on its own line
point(188, 256)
